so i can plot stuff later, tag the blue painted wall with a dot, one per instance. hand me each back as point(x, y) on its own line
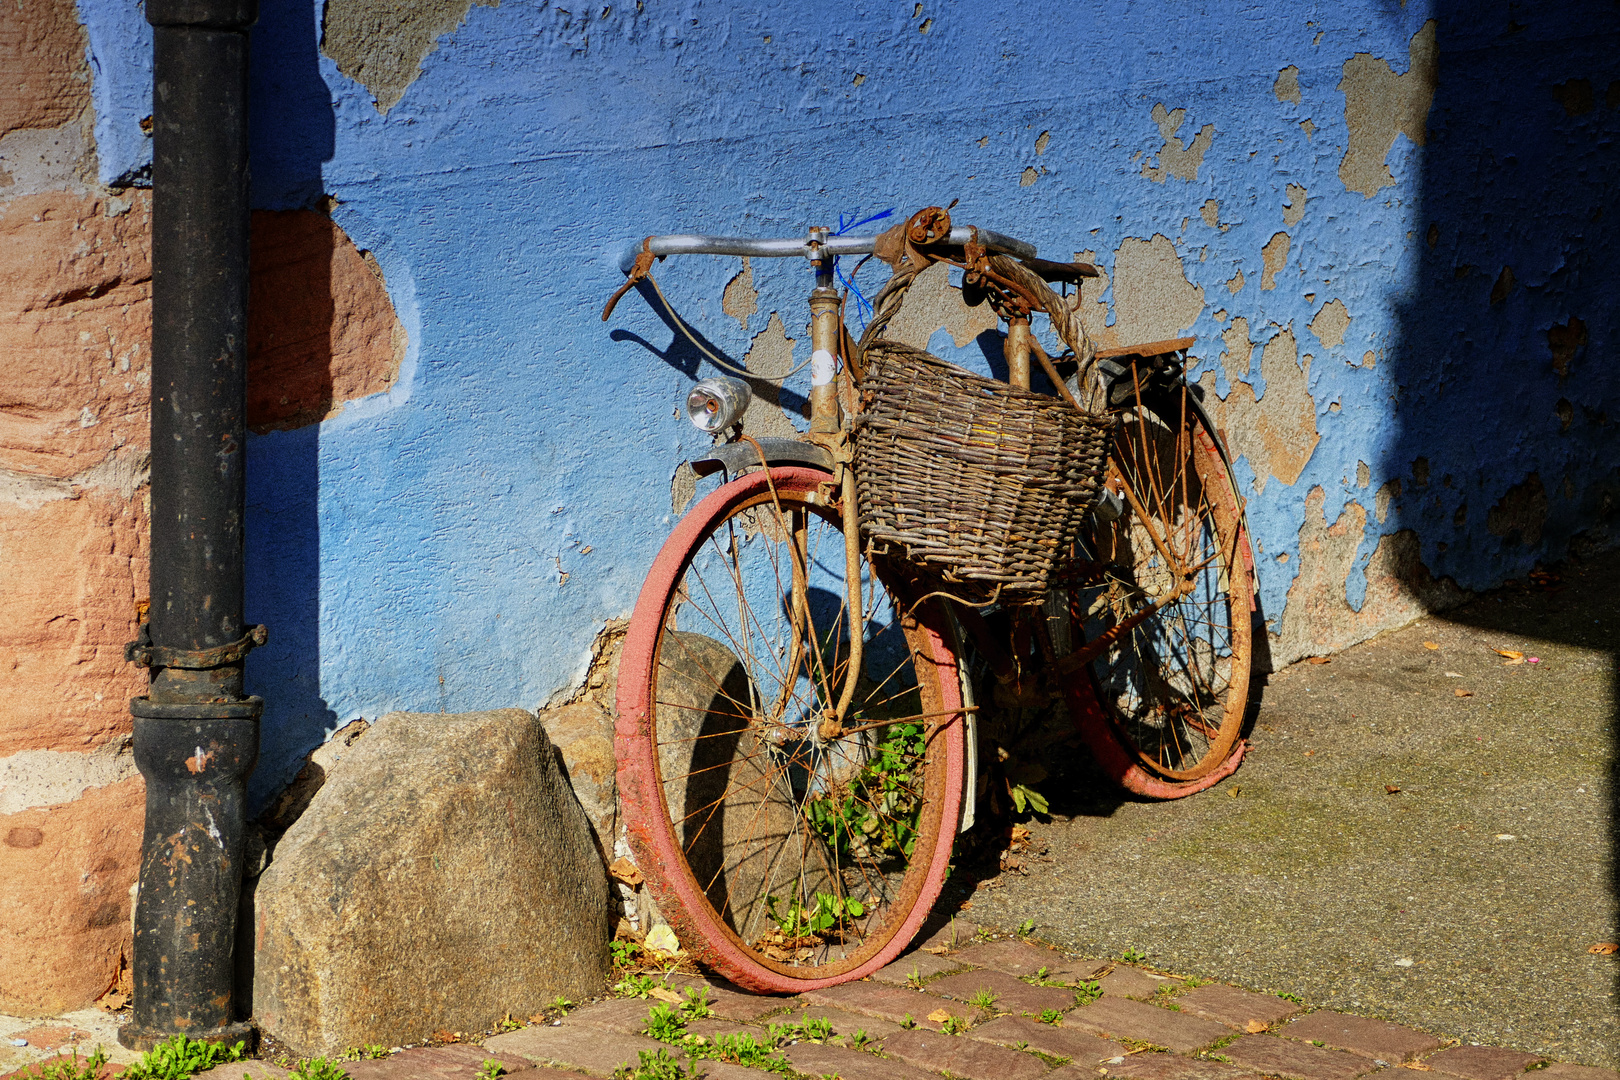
point(427, 548)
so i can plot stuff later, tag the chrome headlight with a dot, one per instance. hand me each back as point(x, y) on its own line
point(715, 404)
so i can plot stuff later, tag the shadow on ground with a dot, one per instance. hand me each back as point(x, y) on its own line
point(1390, 847)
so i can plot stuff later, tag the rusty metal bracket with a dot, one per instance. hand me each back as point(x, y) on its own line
point(142, 653)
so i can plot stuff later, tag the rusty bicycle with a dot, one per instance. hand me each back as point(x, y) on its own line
point(802, 677)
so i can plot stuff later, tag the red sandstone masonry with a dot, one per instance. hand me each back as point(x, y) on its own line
point(1377, 1039)
point(822, 1060)
point(1132, 983)
point(925, 965)
point(1012, 995)
point(1127, 1019)
point(1081, 1047)
point(458, 1062)
point(1021, 958)
point(1295, 1060)
point(1160, 1067)
point(580, 1047)
point(964, 1057)
point(1234, 1007)
point(1481, 1062)
point(887, 1002)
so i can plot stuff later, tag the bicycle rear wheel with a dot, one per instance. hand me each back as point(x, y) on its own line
point(1171, 578)
point(785, 854)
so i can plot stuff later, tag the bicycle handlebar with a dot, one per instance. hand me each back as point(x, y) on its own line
point(696, 244)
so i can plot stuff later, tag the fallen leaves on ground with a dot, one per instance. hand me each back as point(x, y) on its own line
point(1431, 645)
point(1511, 654)
point(1418, 1065)
point(1604, 948)
point(1391, 789)
point(1234, 793)
point(939, 1016)
point(624, 870)
point(665, 994)
point(1255, 1027)
point(1321, 660)
point(1310, 753)
point(1460, 692)
point(1453, 674)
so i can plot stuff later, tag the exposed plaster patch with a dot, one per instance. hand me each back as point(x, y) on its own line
point(1388, 492)
point(1239, 352)
point(741, 299)
point(380, 44)
point(33, 160)
point(1211, 213)
point(1565, 342)
point(1277, 432)
point(1274, 256)
point(49, 777)
point(1294, 208)
point(1520, 513)
point(1318, 618)
point(1330, 324)
point(1235, 285)
point(682, 488)
point(933, 303)
point(1029, 176)
point(1093, 312)
point(1504, 285)
point(1219, 316)
point(1042, 142)
point(1308, 127)
point(1153, 299)
point(770, 355)
point(1369, 359)
point(1177, 158)
point(1566, 414)
point(1379, 104)
point(1575, 96)
point(1363, 474)
point(1287, 86)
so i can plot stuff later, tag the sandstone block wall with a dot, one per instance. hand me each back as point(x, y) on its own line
point(75, 376)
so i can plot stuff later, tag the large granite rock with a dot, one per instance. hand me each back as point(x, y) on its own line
point(443, 875)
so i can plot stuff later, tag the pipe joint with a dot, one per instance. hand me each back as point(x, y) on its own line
point(203, 14)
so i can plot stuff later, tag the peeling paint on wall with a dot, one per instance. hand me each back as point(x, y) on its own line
point(381, 44)
point(1294, 208)
point(1379, 105)
point(1520, 513)
point(1274, 256)
point(933, 303)
point(1177, 158)
point(741, 299)
point(1287, 85)
point(1331, 323)
point(1276, 432)
point(1153, 299)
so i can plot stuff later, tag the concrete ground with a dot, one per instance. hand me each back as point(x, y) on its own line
point(1425, 835)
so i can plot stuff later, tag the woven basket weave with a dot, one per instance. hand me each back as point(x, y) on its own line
point(981, 485)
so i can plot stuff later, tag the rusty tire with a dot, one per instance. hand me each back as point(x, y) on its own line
point(719, 828)
point(1163, 711)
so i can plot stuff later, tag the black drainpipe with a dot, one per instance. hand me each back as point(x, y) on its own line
point(196, 735)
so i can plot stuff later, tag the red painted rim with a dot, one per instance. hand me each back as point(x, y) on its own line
point(640, 790)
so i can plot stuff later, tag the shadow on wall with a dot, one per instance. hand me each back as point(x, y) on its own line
point(1506, 399)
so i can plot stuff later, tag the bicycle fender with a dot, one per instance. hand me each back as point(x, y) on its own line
point(734, 457)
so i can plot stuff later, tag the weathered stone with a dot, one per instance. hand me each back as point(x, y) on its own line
point(1009, 994)
point(443, 876)
point(580, 1048)
point(47, 80)
point(917, 965)
point(747, 845)
point(318, 763)
point(583, 734)
point(1236, 1008)
point(321, 328)
point(65, 873)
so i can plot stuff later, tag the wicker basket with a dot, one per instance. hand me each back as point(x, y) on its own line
point(981, 485)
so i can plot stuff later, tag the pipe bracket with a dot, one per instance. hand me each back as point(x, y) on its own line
point(142, 653)
point(248, 708)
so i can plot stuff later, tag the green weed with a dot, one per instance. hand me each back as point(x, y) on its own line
point(1026, 928)
point(69, 1069)
point(179, 1057)
point(655, 1065)
point(825, 912)
point(696, 1005)
point(634, 986)
point(849, 820)
point(804, 1029)
point(1087, 992)
point(954, 1025)
point(490, 1069)
point(1133, 956)
point(1050, 1016)
point(982, 999)
point(317, 1068)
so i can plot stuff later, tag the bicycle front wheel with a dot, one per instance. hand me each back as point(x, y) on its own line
point(787, 849)
point(1170, 582)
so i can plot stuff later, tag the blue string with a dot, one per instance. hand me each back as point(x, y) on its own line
point(863, 306)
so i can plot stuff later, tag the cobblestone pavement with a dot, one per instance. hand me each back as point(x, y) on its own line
point(1130, 1023)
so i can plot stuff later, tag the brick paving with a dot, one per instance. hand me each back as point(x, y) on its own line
point(1145, 1026)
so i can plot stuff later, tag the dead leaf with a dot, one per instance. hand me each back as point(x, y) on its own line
point(1321, 660)
point(1392, 789)
point(624, 870)
point(939, 1016)
point(1511, 654)
point(1510, 663)
point(1453, 674)
point(1460, 692)
point(1255, 1027)
point(664, 993)
point(1431, 645)
point(1310, 753)
point(1604, 948)
point(112, 1000)
point(1234, 793)
point(1418, 1065)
